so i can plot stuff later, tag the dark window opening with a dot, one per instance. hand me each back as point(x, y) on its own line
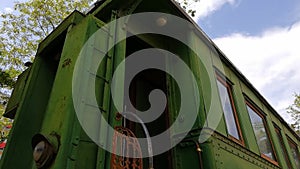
point(282, 147)
point(295, 152)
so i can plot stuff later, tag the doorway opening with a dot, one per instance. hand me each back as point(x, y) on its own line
point(141, 86)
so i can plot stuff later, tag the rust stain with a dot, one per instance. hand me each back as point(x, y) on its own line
point(67, 62)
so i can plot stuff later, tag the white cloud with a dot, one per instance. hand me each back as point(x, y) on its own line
point(8, 10)
point(270, 61)
point(206, 7)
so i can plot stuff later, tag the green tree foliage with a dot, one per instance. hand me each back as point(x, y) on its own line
point(20, 33)
point(187, 5)
point(4, 124)
point(294, 110)
point(5, 79)
point(27, 25)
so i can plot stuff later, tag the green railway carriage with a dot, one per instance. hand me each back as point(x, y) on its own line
point(234, 126)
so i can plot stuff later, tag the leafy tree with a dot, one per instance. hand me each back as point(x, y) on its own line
point(5, 125)
point(294, 110)
point(187, 6)
point(27, 25)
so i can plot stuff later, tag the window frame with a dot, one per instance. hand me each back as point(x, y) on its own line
point(228, 85)
point(290, 141)
point(283, 147)
point(261, 114)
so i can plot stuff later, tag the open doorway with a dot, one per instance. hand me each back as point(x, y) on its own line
point(140, 87)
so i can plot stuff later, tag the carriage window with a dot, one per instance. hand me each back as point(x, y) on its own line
point(261, 134)
point(295, 152)
point(230, 115)
point(282, 147)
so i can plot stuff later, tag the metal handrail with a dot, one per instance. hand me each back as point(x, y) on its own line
point(149, 143)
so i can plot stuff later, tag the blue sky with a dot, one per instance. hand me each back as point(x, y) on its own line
point(6, 4)
point(250, 16)
point(261, 37)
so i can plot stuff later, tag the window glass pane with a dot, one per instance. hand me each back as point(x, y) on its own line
point(262, 139)
point(282, 148)
point(295, 153)
point(228, 111)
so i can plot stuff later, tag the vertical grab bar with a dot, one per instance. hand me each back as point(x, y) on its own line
point(149, 143)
